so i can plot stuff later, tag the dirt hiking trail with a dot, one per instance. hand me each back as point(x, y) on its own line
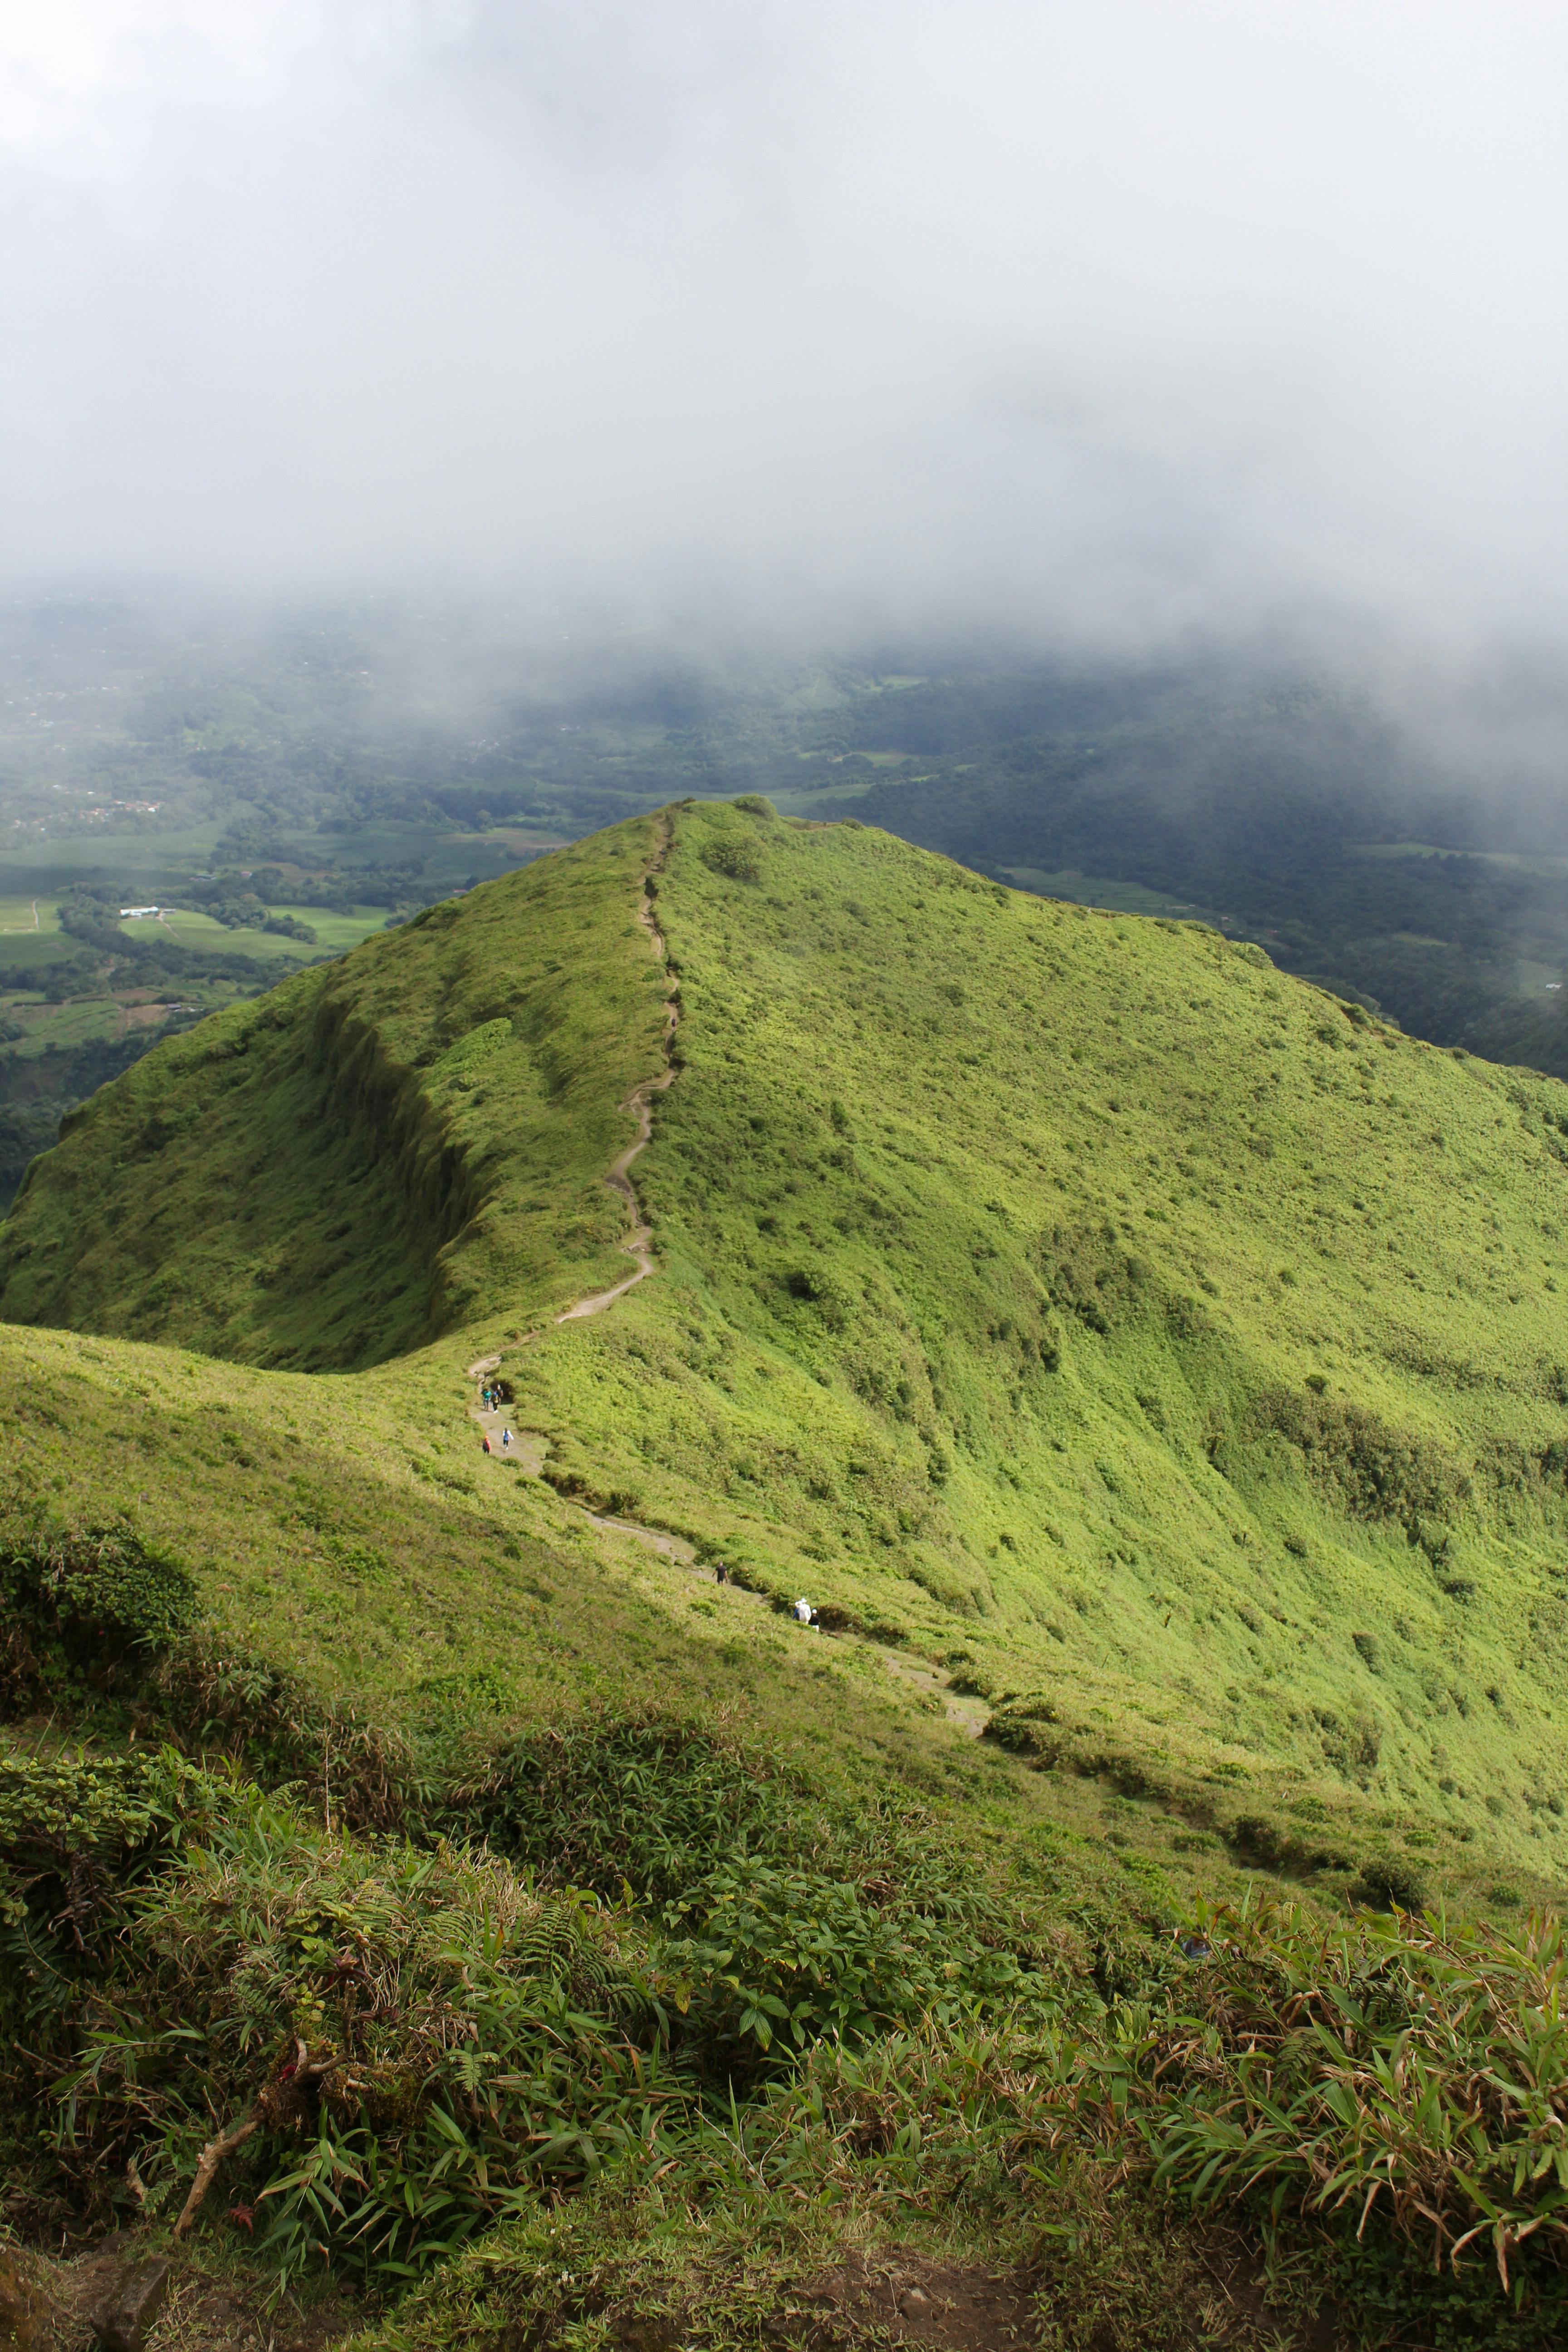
point(639, 1243)
point(527, 1449)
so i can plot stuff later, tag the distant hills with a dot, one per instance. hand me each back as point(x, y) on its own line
point(1287, 809)
point(300, 786)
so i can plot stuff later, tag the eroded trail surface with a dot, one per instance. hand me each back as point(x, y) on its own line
point(527, 1449)
point(639, 1242)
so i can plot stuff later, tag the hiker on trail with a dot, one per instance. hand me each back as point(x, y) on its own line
point(720, 1574)
point(506, 1437)
point(803, 1611)
point(485, 1442)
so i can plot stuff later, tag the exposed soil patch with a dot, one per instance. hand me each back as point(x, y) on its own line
point(116, 2296)
point(670, 1547)
point(969, 1714)
point(1211, 2301)
point(912, 2301)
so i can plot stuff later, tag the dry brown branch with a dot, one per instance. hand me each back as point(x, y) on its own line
point(212, 2157)
point(304, 2070)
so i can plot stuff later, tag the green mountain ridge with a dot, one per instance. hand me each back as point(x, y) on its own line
point(305, 1179)
point(1074, 1293)
point(1128, 1349)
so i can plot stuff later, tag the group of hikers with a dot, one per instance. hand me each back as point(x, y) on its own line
point(490, 1401)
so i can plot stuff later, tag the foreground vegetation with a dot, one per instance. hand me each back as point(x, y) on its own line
point(1134, 1354)
point(799, 2033)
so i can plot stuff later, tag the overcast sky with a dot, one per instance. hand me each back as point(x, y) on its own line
point(1122, 314)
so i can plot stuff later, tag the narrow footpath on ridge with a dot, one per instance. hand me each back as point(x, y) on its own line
point(527, 1449)
point(639, 1243)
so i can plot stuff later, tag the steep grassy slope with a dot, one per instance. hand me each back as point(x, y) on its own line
point(1107, 1313)
point(1113, 1336)
point(333, 1174)
point(1168, 1351)
point(364, 1564)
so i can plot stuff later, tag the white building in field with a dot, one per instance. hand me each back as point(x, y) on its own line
point(141, 914)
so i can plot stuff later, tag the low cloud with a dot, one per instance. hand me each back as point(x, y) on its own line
point(1109, 321)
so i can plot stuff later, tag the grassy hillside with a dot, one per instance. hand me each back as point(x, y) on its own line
point(1284, 807)
point(335, 1172)
point(1129, 1349)
point(1093, 1307)
point(1169, 1349)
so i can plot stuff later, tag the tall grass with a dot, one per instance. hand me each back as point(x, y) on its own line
point(1410, 2067)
